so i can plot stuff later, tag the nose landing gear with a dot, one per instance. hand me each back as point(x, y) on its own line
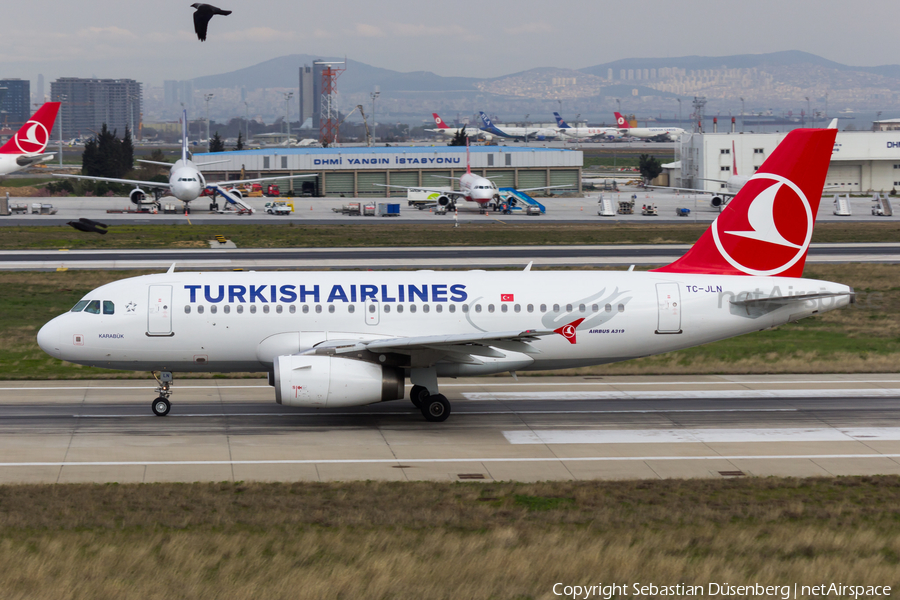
point(161, 406)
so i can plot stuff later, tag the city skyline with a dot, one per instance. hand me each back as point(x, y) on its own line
point(479, 40)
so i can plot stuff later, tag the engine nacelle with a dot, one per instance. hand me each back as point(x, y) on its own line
point(716, 202)
point(445, 201)
point(138, 196)
point(302, 380)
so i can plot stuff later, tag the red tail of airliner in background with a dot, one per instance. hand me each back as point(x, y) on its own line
point(439, 122)
point(34, 135)
point(26, 147)
point(767, 228)
point(622, 122)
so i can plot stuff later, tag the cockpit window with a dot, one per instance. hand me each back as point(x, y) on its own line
point(109, 308)
point(80, 306)
point(93, 307)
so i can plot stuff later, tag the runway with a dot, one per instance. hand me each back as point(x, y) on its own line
point(421, 257)
point(534, 429)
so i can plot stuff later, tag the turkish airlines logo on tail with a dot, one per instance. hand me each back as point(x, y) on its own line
point(568, 331)
point(437, 119)
point(773, 234)
point(32, 138)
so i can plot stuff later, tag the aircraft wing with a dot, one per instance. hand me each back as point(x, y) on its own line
point(114, 180)
point(422, 189)
point(259, 179)
point(690, 190)
point(462, 348)
point(546, 187)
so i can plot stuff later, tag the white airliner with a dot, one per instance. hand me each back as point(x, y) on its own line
point(26, 147)
point(518, 133)
point(647, 133)
point(731, 186)
point(186, 182)
point(583, 133)
point(446, 130)
point(340, 339)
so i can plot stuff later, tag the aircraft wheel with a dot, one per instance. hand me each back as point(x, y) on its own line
point(436, 408)
point(417, 394)
point(161, 407)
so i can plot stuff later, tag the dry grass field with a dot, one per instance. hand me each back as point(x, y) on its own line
point(434, 540)
point(862, 338)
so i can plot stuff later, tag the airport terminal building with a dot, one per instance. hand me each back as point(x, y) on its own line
point(363, 172)
point(863, 161)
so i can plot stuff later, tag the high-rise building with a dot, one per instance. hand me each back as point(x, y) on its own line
point(89, 103)
point(15, 101)
point(307, 94)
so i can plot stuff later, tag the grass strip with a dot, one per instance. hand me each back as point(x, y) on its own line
point(442, 233)
point(442, 540)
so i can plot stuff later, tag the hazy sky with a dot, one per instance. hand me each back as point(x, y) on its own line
point(153, 41)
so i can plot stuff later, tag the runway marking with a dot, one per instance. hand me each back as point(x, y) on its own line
point(683, 395)
point(703, 436)
point(151, 463)
point(413, 412)
point(500, 384)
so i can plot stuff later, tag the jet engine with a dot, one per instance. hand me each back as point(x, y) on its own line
point(716, 202)
point(445, 201)
point(320, 381)
point(138, 196)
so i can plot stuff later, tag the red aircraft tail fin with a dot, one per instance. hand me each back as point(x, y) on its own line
point(34, 135)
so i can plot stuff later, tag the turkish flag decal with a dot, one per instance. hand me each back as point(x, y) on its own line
point(568, 331)
point(507, 298)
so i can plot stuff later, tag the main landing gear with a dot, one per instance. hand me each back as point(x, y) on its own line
point(435, 407)
point(161, 406)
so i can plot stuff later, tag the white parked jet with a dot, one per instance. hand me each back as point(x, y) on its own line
point(446, 130)
point(647, 133)
point(26, 147)
point(517, 133)
point(186, 182)
point(584, 133)
point(339, 339)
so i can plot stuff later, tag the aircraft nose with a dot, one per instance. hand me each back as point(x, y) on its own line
point(48, 338)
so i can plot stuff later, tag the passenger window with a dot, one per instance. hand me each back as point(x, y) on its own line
point(331, 308)
point(399, 308)
point(595, 308)
point(212, 309)
point(305, 309)
point(465, 308)
point(266, 308)
point(352, 308)
point(568, 308)
point(240, 309)
point(607, 308)
point(517, 308)
point(292, 309)
point(109, 308)
point(438, 308)
point(556, 308)
point(621, 308)
point(387, 308)
point(412, 308)
point(503, 308)
point(199, 309)
point(477, 308)
point(425, 308)
point(252, 309)
point(80, 306)
point(93, 307)
point(452, 308)
point(227, 309)
point(530, 308)
point(582, 308)
point(372, 308)
point(318, 308)
point(278, 309)
point(187, 309)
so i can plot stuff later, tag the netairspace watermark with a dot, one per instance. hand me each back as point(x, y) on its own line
point(607, 591)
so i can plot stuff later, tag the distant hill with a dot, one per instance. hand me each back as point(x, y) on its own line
point(283, 72)
point(738, 61)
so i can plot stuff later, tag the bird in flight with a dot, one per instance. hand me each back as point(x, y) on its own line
point(202, 16)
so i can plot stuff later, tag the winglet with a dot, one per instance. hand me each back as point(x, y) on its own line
point(171, 269)
point(833, 124)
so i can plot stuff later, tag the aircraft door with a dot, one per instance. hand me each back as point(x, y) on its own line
point(159, 310)
point(373, 312)
point(668, 297)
